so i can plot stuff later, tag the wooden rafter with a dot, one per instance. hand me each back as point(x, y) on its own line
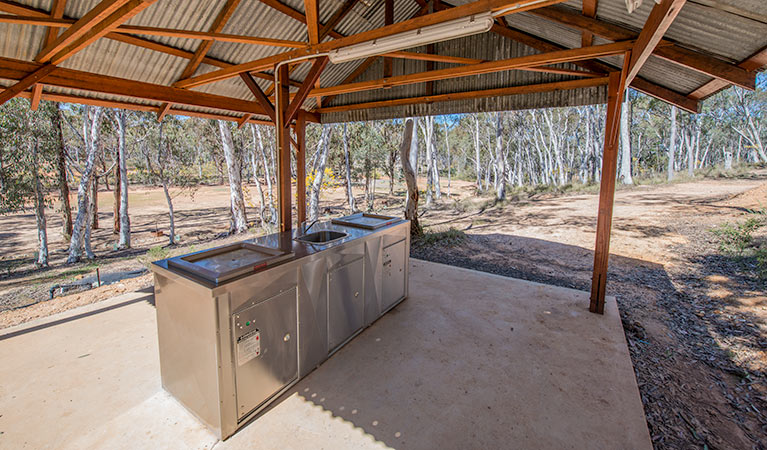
point(667, 50)
point(51, 34)
point(355, 74)
point(522, 62)
point(388, 68)
point(337, 17)
point(465, 10)
point(155, 31)
point(640, 84)
point(17, 8)
point(78, 29)
point(295, 14)
point(499, 92)
point(14, 69)
point(163, 110)
point(259, 94)
point(461, 60)
point(202, 50)
point(660, 19)
point(311, 78)
point(99, 21)
point(68, 98)
point(589, 10)
point(312, 13)
point(753, 63)
point(218, 25)
point(26, 82)
point(244, 120)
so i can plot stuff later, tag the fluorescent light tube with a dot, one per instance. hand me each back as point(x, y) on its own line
point(453, 29)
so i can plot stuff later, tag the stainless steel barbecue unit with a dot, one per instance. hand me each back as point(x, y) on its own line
point(239, 324)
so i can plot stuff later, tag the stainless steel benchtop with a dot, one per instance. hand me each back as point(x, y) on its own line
point(286, 242)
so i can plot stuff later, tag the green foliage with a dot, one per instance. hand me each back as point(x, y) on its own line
point(735, 239)
point(28, 145)
point(448, 238)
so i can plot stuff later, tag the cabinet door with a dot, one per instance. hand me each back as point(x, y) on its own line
point(346, 302)
point(265, 349)
point(393, 279)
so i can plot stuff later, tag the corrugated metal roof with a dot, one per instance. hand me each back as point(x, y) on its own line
point(729, 29)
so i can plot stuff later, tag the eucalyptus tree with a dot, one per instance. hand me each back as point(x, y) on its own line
point(168, 162)
point(27, 150)
point(81, 230)
point(233, 157)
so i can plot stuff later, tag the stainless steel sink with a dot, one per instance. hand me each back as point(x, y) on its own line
point(322, 237)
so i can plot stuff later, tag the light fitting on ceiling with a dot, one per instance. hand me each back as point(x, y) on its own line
point(453, 29)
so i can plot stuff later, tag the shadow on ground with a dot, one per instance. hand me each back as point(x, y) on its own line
point(695, 389)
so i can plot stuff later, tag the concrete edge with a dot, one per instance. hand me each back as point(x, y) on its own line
point(126, 298)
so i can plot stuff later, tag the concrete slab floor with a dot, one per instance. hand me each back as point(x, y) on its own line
point(470, 360)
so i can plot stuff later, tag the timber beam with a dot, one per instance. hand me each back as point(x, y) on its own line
point(259, 94)
point(523, 62)
point(753, 63)
point(311, 78)
point(499, 92)
point(665, 49)
point(661, 18)
point(640, 84)
point(26, 82)
point(99, 21)
point(13, 69)
point(615, 91)
point(502, 7)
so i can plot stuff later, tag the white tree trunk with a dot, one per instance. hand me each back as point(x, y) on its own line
point(347, 162)
point(171, 215)
point(411, 205)
point(314, 193)
point(500, 166)
point(42, 228)
point(477, 163)
point(672, 144)
point(625, 174)
point(239, 221)
point(91, 133)
point(123, 168)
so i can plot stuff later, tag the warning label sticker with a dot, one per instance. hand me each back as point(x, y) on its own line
point(248, 347)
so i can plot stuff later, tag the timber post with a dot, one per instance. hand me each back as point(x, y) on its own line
point(615, 91)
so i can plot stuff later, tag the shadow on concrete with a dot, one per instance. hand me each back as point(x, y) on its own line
point(149, 298)
point(698, 323)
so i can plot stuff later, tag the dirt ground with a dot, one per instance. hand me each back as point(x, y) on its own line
point(695, 320)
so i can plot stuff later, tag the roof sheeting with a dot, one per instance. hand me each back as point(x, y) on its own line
point(731, 30)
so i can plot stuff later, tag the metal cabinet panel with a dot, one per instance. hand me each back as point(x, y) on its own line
point(265, 349)
point(346, 302)
point(393, 274)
